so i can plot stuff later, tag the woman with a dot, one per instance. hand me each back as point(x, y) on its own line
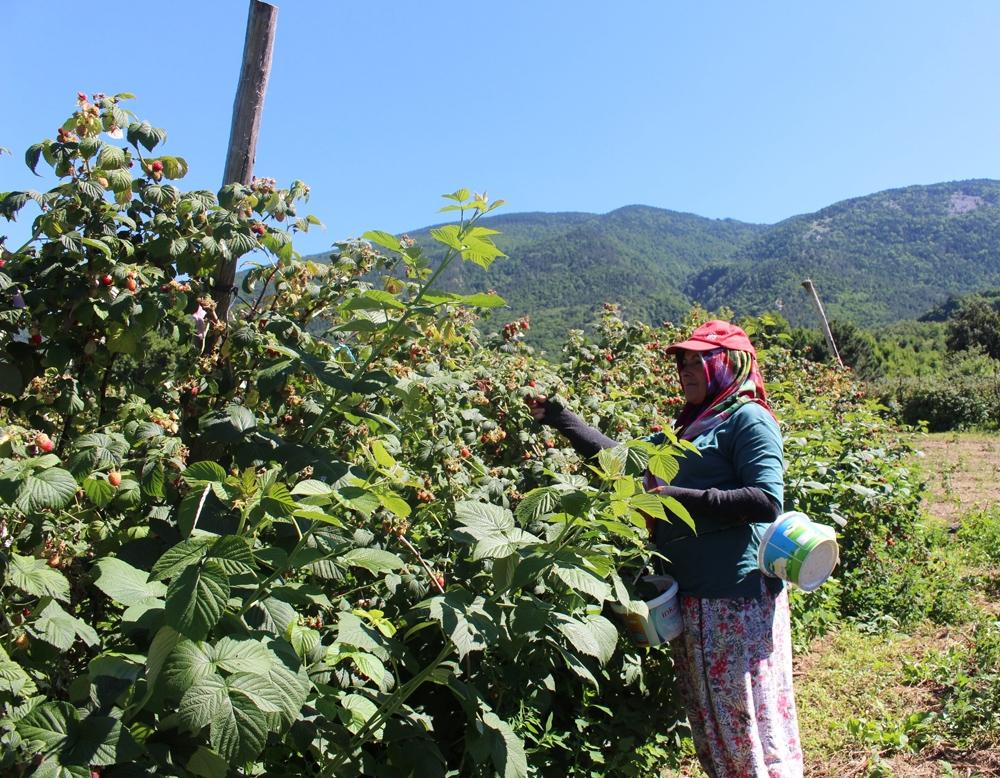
point(734, 657)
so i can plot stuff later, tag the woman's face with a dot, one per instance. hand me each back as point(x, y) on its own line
point(693, 379)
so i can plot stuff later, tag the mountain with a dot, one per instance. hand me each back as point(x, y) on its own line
point(876, 259)
point(561, 268)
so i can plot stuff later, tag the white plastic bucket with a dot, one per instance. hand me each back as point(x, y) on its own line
point(796, 549)
point(664, 621)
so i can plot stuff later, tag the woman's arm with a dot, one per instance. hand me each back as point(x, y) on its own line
point(586, 440)
point(725, 506)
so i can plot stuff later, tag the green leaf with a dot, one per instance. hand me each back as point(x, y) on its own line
point(159, 651)
point(352, 631)
point(205, 763)
point(36, 578)
point(382, 456)
point(537, 503)
point(233, 553)
point(112, 157)
point(99, 741)
point(177, 558)
point(145, 134)
point(506, 748)
point(372, 559)
point(459, 195)
point(648, 503)
point(203, 702)
point(47, 727)
point(125, 584)
point(482, 516)
point(580, 580)
point(99, 491)
point(259, 690)
point(243, 655)
point(303, 639)
point(196, 599)
point(358, 710)
point(61, 629)
point(595, 637)
point(311, 488)
point(383, 239)
point(200, 473)
point(278, 501)
point(449, 236)
point(664, 466)
point(13, 679)
point(500, 546)
point(370, 666)
point(394, 503)
point(32, 155)
point(188, 662)
point(53, 489)
point(239, 728)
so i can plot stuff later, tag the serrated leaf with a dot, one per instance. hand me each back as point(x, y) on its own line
point(580, 580)
point(99, 741)
point(98, 491)
point(358, 710)
point(196, 599)
point(178, 557)
point(61, 629)
point(537, 503)
point(500, 546)
point(484, 517)
point(242, 656)
point(200, 473)
point(239, 728)
point(372, 559)
point(205, 763)
point(506, 748)
point(125, 584)
point(188, 662)
point(663, 466)
point(48, 726)
point(383, 239)
point(45, 489)
point(449, 236)
point(303, 639)
point(202, 702)
point(369, 666)
point(36, 578)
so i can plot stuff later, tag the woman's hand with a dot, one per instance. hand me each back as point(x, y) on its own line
point(536, 404)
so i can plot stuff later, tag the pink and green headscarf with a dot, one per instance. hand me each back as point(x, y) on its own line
point(733, 380)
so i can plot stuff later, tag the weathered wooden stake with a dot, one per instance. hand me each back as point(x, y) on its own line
point(258, 49)
point(808, 284)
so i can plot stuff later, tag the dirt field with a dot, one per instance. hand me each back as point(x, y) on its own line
point(962, 472)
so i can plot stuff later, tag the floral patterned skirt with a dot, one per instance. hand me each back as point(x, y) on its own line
point(734, 669)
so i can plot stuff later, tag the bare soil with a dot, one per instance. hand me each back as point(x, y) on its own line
point(962, 472)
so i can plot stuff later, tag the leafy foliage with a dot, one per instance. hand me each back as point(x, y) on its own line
point(324, 535)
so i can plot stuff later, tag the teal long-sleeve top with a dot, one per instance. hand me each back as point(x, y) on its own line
point(720, 560)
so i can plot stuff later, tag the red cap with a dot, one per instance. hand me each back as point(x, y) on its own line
point(715, 334)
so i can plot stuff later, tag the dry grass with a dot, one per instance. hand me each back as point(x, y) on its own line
point(962, 472)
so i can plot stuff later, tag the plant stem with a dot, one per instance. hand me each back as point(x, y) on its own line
point(387, 709)
point(376, 352)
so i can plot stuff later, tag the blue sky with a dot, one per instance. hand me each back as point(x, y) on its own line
point(754, 111)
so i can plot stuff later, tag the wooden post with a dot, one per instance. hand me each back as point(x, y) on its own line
point(258, 49)
point(808, 284)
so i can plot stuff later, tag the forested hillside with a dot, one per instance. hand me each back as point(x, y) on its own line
point(876, 259)
point(561, 268)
